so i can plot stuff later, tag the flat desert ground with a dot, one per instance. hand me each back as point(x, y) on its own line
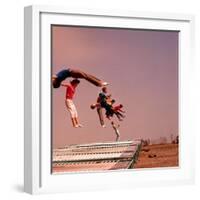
point(158, 155)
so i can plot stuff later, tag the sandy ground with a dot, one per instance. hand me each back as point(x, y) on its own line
point(158, 155)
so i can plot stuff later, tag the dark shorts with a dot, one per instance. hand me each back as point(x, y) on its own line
point(61, 76)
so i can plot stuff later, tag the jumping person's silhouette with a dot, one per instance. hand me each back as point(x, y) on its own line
point(74, 73)
point(70, 91)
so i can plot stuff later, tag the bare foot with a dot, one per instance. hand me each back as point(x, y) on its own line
point(104, 84)
point(80, 125)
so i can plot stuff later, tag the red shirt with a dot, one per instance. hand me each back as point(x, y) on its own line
point(70, 91)
point(117, 108)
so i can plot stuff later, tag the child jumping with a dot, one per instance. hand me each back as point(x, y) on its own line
point(101, 103)
point(105, 101)
point(70, 91)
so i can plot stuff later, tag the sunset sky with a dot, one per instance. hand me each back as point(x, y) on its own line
point(141, 67)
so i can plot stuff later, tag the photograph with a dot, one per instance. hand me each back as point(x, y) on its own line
point(114, 98)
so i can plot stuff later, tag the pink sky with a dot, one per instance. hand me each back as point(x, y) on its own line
point(142, 69)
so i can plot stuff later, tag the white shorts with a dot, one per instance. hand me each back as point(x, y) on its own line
point(71, 108)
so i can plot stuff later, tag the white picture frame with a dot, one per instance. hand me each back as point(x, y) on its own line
point(37, 133)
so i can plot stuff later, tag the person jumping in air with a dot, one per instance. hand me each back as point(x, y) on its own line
point(117, 110)
point(74, 73)
point(99, 112)
point(105, 101)
point(115, 127)
point(101, 103)
point(70, 91)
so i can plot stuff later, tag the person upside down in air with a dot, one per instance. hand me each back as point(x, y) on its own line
point(70, 92)
point(77, 74)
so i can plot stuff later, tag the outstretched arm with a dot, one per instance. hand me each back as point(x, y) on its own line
point(121, 110)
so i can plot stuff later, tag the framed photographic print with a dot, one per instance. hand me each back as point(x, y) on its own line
point(107, 99)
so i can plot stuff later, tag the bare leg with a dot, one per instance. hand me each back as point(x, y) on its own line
point(74, 122)
point(73, 112)
point(100, 114)
point(66, 73)
point(77, 122)
point(118, 135)
point(92, 79)
point(119, 116)
point(116, 130)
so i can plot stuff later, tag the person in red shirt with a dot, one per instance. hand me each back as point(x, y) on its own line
point(70, 92)
point(118, 111)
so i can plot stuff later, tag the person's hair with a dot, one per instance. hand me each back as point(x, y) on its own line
point(113, 101)
point(104, 89)
point(56, 83)
point(75, 81)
